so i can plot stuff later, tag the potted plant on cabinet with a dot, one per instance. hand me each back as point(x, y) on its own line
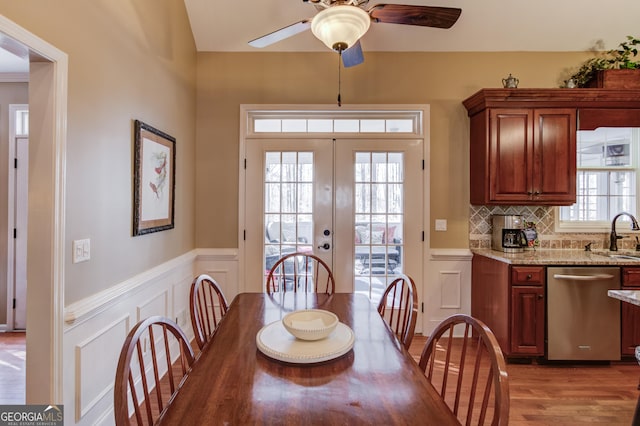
point(614, 69)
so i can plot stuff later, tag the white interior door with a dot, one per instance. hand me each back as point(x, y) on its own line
point(17, 209)
point(20, 235)
point(356, 203)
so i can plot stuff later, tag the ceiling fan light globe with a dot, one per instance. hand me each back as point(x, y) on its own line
point(340, 25)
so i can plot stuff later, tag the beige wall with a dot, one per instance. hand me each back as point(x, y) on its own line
point(10, 93)
point(127, 60)
point(137, 60)
point(442, 80)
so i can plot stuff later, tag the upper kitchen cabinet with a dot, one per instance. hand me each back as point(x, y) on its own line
point(532, 157)
point(523, 156)
point(523, 141)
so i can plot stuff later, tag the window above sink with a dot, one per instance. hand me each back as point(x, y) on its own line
point(607, 180)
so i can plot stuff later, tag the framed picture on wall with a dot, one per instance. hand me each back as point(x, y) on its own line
point(154, 180)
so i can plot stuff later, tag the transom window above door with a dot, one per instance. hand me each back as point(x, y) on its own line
point(301, 122)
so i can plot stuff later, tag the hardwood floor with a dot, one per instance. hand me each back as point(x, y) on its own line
point(12, 368)
point(568, 394)
point(540, 394)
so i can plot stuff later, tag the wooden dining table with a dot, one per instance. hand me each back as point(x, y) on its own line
point(375, 383)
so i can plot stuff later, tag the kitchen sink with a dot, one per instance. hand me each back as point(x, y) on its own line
point(624, 256)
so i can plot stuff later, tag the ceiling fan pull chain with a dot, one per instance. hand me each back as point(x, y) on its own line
point(339, 60)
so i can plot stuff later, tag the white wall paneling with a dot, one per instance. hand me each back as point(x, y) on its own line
point(95, 328)
point(447, 286)
point(95, 383)
point(450, 289)
point(223, 267)
point(157, 305)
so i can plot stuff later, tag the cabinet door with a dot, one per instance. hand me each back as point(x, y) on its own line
point(527, 320)
point(629, 314)
point(630, 330)
point(511, 154)
point(554, 163)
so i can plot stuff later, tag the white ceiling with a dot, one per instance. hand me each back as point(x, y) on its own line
point(10, 63)
point(485, 25)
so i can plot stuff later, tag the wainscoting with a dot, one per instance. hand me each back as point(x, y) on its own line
point(447, 288)
point(96, 327)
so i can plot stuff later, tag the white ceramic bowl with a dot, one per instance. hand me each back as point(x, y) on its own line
point(310, 324)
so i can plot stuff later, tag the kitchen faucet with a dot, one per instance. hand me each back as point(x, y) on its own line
point(613, 246)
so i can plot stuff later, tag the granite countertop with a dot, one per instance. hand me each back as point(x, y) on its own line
point(629, 296)
point(561, 257)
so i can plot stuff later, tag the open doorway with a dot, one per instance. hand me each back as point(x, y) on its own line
point(45, 240)
point(14, 95)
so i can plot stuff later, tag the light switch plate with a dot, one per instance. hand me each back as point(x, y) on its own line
point(441, 224)
point(81, 250)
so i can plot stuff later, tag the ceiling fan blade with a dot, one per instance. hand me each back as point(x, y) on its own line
point(424, 16)
point(281, 34)
point(353, 56)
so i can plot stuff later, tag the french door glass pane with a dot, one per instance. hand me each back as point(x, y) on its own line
point(288, 216)
point(379, 217)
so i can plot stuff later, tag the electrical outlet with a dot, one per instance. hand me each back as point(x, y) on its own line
point(181, 318)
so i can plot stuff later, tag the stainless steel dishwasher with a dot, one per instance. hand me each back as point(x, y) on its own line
point(583, 323)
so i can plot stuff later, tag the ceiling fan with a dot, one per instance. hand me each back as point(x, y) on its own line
point(339, 24)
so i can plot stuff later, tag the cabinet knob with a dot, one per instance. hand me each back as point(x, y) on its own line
point(540, 296)
point(529, 276)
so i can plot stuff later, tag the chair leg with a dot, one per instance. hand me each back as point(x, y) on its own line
point(636, 414)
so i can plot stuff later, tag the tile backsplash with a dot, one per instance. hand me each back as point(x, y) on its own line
point(543, 216)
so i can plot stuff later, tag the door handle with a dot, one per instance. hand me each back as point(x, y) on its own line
point(325, 246)
point(596, 277)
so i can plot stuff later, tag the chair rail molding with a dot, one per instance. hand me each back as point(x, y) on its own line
point(86, 308)
point(450, 254)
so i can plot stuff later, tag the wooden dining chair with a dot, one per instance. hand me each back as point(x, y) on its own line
point(207, 305)
point(154, 362)
point(464, 363)
point(399, 308)
point(304, 272)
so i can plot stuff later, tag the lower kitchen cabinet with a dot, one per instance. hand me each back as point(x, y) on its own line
point(630, 314)
point(510, 300)
point(527, 320)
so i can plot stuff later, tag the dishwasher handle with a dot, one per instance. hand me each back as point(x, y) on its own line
point(595, 277)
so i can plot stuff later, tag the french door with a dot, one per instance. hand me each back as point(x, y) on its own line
point(356, 203)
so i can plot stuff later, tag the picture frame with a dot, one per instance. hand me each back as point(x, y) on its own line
point(154, 180)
